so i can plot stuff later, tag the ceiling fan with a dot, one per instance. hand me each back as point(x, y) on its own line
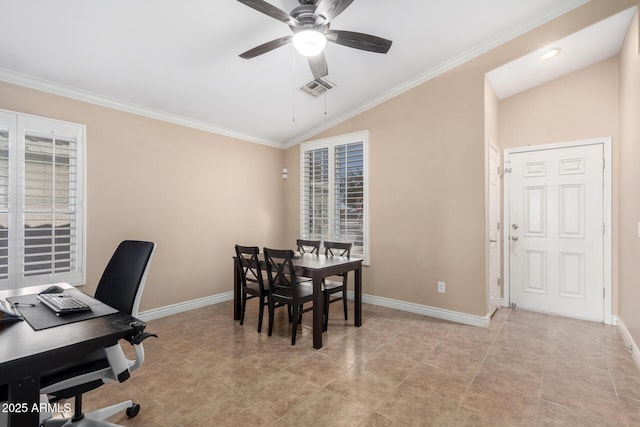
point(310, 24)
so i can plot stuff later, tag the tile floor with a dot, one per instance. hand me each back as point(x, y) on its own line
point(398, 369)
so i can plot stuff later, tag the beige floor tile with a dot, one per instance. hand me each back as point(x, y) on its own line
point(360, 388)
point(505, 407)
point(407, 406)
point(326, 408)
point(318, 369)
point(398, 369)
point(631, 410)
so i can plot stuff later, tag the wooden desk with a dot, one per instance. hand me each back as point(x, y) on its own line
point(25, 354)
point(317, 267)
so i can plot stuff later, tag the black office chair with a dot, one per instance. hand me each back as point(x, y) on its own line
point(285, 288)
point(251, 280)
point(330, 287)
point(121, 287)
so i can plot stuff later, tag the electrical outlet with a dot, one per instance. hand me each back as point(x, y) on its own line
point(441, 287)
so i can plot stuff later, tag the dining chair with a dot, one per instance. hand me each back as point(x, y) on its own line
point(286, 288)
point(330, 287)
point(308, 246)
point(251, 279)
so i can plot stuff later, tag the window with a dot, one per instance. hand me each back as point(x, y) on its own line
point(334, 193)
point(41, 201)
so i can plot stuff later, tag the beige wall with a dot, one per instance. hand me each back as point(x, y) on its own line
point(580, 105)
point(177, 186)
point(630, 181)
point(427, 165)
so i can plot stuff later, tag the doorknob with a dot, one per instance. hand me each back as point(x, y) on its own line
point(514, 238)
point(492, 241)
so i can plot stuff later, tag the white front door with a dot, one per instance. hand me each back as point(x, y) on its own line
point(494, 229)
point(556, 220)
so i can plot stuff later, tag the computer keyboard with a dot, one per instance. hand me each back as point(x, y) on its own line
point(62, 303)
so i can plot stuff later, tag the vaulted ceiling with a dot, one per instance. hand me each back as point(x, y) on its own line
point(178, 61)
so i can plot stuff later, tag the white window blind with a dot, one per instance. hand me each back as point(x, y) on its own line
point(334, 203)
point(41, 205)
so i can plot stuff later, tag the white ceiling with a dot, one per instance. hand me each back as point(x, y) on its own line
point(178, 60)
point(595, 43)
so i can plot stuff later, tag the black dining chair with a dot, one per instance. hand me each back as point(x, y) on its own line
point(308, 246)
point(331, 287)
point(285, 288)
point(251, 279)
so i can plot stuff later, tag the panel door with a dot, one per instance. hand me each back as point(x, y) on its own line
point(557, 231)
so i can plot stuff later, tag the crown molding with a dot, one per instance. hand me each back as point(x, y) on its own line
point(441, 68)
point(43, 85)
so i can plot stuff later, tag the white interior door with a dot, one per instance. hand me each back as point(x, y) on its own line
point(556, 220)
point(494, 229)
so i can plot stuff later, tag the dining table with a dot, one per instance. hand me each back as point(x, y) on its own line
point(317, 267)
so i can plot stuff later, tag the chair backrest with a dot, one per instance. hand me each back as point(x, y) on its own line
point(250, 271)
point(308, 246)
point(337, 249)
point(123, 279)
point(280, 272)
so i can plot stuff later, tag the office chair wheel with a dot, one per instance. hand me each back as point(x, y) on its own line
point(133, 410)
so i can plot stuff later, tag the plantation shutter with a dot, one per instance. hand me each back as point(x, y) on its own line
point(50, 216)
point(349, 196)
point(41, 201)
point(315, 194)
point(4, 202)
point(334, 191)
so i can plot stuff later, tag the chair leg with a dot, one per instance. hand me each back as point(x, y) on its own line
point(344, 303)
point(244, 306)
point(261, 315)
point(295, 325)
point(325, 316)
point(271, 310)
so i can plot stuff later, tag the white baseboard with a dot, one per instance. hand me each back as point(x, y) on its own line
point(156, 313)
point(425, 310)
point(628, 339)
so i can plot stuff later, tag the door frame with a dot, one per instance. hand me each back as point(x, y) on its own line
point(492, 146)
point(609, 319)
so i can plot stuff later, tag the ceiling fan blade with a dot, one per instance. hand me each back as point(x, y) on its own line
point(270, 10)
point(359, 41)
point(327, 10)
point(266, 47)
point(318, 65)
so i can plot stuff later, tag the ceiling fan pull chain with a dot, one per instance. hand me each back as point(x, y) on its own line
point(325, 103)
point(293, 85)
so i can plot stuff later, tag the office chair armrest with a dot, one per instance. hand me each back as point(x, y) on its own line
point(138, 333)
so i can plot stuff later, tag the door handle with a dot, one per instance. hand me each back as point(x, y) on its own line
point(514, 238)
point(492, 241)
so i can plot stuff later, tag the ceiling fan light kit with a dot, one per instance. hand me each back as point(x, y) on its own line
point(310, 22)
point(309, 42)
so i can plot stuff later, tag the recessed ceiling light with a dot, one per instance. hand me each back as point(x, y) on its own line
point(550, 54)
